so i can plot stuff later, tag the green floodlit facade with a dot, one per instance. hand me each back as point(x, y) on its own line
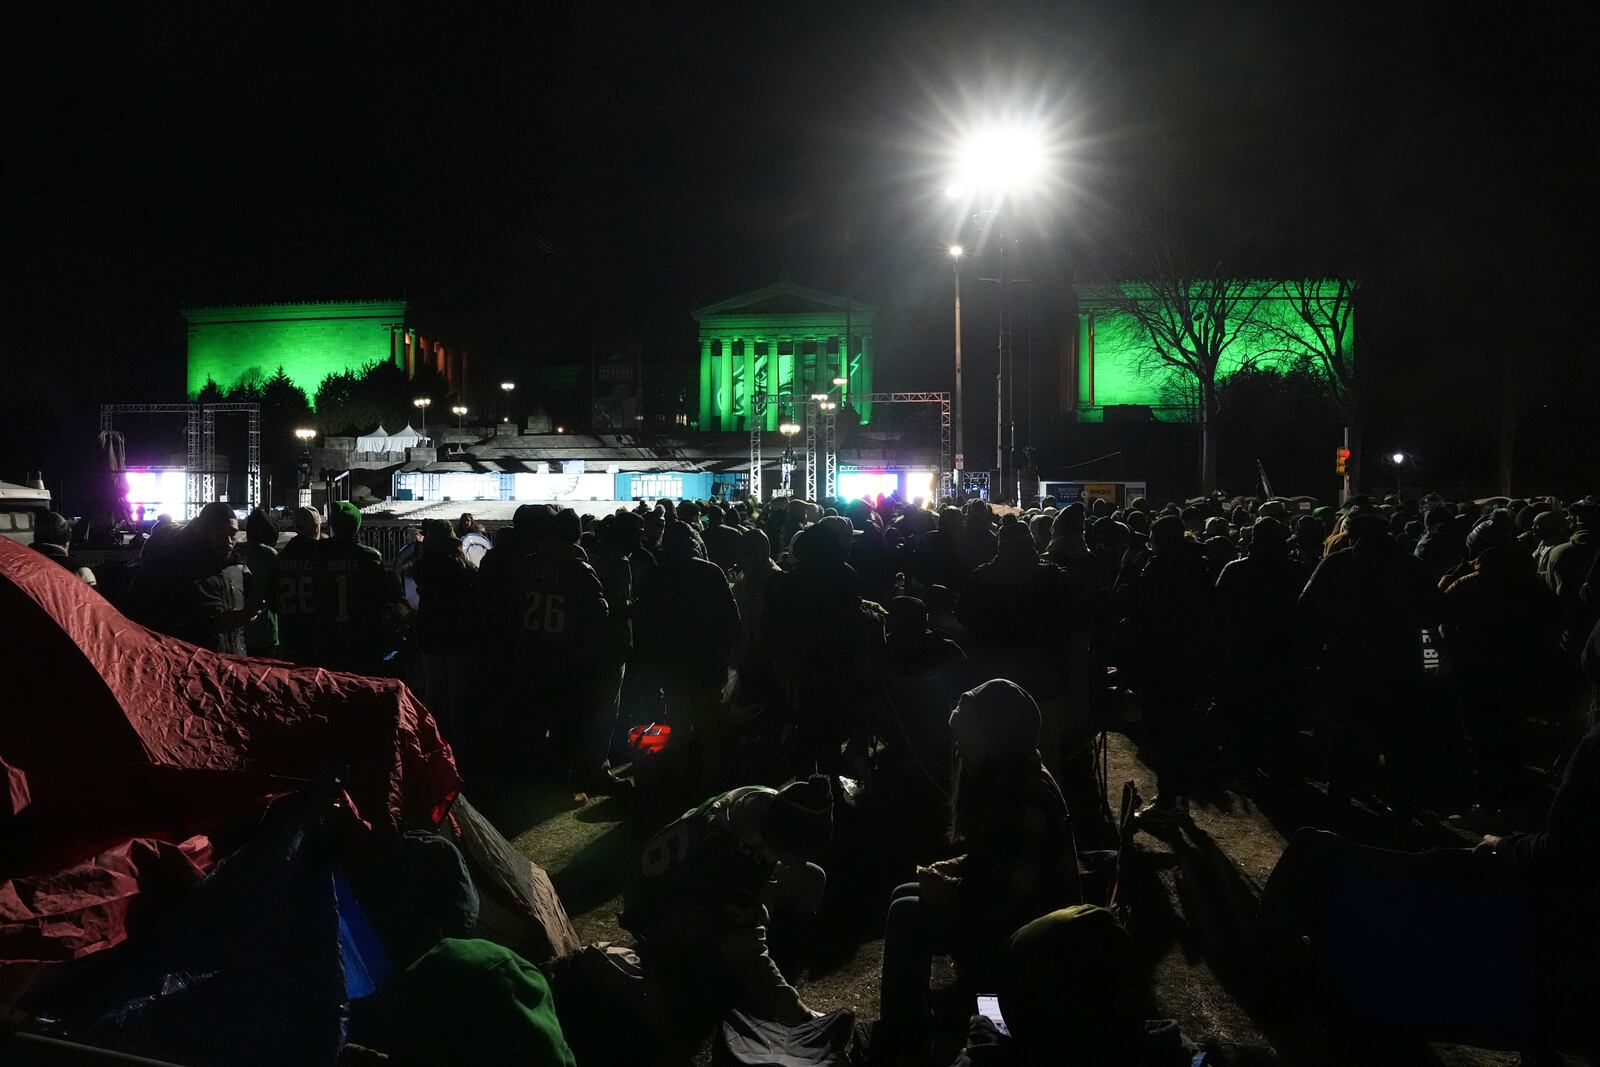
point(785, 342)
point(239, 344)
point(1110, 365)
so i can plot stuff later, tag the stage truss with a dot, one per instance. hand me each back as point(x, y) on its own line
point(200, 446)
point(822, 428)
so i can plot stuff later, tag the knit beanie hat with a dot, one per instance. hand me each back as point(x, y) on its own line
point(1073, 971)
point(800, 817)
point(345, 518)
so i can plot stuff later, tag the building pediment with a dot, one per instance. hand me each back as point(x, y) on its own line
point(781, 298)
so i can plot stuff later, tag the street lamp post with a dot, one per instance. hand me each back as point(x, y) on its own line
point(788, 428)
point(505, 388)
point(421, 403)
point(460, 412)
point(305, 435)
point(961, 459)
point(994, 164)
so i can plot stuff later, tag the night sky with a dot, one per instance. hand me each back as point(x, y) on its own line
point(550, 177)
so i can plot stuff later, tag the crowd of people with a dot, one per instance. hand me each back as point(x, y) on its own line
point(1420, 657)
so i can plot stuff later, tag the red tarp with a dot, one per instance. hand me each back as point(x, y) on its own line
point(122, 745)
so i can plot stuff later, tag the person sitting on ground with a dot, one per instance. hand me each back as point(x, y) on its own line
point(52, 538)
point(1070, 992)
point(699, 900)
point(1019, 859)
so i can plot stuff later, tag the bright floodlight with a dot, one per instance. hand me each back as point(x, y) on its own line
point(422, 401)
point(788, 429)
point(1005, 158)
point(305, 434)
point(841, 381)
point(508, 386)
point(1398, 458)
point(956, 251)
point(458, 409)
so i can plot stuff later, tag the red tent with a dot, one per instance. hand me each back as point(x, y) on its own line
point(122, 748)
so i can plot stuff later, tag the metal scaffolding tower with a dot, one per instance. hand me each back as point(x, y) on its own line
point(822, 472)
point(200, 446)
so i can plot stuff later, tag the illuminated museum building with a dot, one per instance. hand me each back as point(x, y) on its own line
point(249, 342)
point(785, 342)
point(1108, 375)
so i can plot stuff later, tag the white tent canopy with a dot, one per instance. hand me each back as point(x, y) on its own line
point(381, 440)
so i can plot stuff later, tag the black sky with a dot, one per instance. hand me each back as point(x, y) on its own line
point(553, 175)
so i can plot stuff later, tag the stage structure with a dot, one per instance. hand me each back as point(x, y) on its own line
point(200, 446)
point(244, 343)
point(784, 342)
point(821, 429)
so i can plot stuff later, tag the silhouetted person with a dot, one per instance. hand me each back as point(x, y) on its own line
point(1256, 606)
point(1018, 858)
point(259, 551)
point(723, 543)
point(355, 596)
point(1170, 608)
point(1502, 628)
point(688, 624)
point(702, 895)
point(194, 590)
point(445, 580)
point(564, 642)
point(52, 538)
point(1364, 609)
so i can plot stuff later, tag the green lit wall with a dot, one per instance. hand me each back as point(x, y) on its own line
point(310, 341)
point(1111, 363)
point(786, 342)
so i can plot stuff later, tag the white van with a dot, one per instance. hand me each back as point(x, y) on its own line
point(20, 505)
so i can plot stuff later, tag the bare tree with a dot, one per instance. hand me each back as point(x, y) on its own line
point(1190, 318)
point(1320, 327)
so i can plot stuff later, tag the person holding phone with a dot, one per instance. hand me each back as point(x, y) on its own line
point(1018, 861)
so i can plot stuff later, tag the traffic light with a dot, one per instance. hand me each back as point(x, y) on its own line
point(1341, 458)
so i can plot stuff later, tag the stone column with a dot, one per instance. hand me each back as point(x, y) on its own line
point(865, 386)
point(725, 384)
point(705, 383)
point(749, 382)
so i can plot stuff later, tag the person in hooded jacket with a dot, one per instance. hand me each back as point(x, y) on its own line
point(817, 634)
point(939, 558)
point(688, 624)
point(1170, 608)
point(1018, 859)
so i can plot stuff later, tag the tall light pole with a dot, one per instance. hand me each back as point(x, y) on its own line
point(961, 459)
point(997, 163)
point(304, 435)
point(421, 404)
point(459, 411)
point(506, 387)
